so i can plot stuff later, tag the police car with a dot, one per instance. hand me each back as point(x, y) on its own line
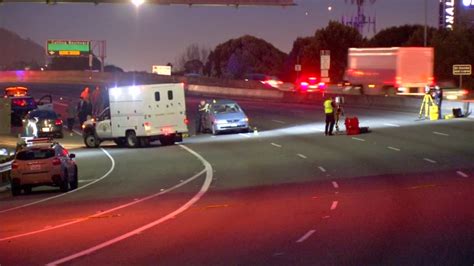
point(40, 162)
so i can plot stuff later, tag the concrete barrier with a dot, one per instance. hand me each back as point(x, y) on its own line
point(261, 94)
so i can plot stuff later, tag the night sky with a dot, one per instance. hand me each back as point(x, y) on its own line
point(137, 39)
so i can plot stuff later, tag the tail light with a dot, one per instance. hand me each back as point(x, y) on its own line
point(147, 126)
point(58, 122)
point(56, 161)
point(186, 121)
point(14, 165)
point(464, 92)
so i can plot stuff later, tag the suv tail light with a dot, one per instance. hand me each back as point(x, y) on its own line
point(58, 122)
point(56, 161)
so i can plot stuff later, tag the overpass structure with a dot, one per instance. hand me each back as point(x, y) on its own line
point(235, 3)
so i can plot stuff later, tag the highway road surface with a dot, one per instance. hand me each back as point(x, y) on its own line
point(284, 194)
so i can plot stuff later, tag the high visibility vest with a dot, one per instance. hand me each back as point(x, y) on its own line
point(328, 107)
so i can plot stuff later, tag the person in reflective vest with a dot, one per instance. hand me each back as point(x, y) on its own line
point(329, 112)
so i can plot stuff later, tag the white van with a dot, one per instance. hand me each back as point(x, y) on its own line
point(138, 115)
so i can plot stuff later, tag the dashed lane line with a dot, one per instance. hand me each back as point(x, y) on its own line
point(334, 205)
point(71, 191)
point(245, 135)
point(391, 125)
point(440, 134)
point(204, 188)
point(322, 169)
point(276, 145)
point(279, 121)
point(462, 174)
point(359, 139)
point(305, 236)
point(429, 160)
point(335, 184)
point(302, 156)
point(393, 148)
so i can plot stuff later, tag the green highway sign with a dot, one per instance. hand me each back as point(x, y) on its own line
point(68, 48)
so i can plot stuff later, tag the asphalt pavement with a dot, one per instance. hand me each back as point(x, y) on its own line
point(284, 194)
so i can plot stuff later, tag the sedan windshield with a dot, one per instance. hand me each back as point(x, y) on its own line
point(226, 108)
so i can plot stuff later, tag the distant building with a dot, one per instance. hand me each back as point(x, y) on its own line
point(453, 12)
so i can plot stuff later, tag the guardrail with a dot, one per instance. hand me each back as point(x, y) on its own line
point(5, 172)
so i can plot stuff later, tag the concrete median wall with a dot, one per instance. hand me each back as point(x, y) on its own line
point(260, 94)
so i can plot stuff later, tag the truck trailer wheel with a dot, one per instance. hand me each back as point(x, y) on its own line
point(131, 138)
point(91, 140)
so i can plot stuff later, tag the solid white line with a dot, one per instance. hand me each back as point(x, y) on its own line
point(276, 145)
point(279, 121)
point(86, 180)
point(335, 185)
point(393, 148)
point(245, 135)
point(429, 160)
point(462, 174)
point(71, 191)
point(322, 169)
point(77, 132)
point(354, 138)
point(333, 205)
point(391, 125)
point(187, 205)
point(305, 236)
point(302, 156)
point(440, 133)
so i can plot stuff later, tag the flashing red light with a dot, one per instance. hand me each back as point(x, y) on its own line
point(464, 92)
point(304, 84)
point(58, 122)
point(312, 78)
point(19, 102)
point(56, 161)
point(186, 121)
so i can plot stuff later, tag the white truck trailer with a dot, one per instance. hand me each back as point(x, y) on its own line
point(138, 115)
point(393, 70)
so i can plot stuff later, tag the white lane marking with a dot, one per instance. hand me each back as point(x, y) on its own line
point(71, 191)
point(276, 145)
point(77, 132)
point(354, 138)
point(393, 148)
point(462, 174)
point(204, 188)
point(429, 160)
point(335, 184)
point(391, 125)
point(279, 121)
point(322, 169)
point(302, 156)
point(245, 135)
point(440, 133)
point(85, 180)
point(305, 236)
point(333, 205)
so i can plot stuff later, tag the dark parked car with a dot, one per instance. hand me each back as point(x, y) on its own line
point(43, 123)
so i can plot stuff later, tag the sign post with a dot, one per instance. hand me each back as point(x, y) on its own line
point(462, 70)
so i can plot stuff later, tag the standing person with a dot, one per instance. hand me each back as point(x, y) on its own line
point(96, 100)
point(329, 112)
point(202, 109)
point(71, 116)
point(85, 94)
point(339, 111)
point(438, 99)
point(81, 114)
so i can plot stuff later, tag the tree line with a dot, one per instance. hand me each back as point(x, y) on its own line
point(248, 54)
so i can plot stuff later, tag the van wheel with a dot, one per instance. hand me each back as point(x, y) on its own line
point(64, 186)
point(131, 139)
point(75, 182)
point(91, 141)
